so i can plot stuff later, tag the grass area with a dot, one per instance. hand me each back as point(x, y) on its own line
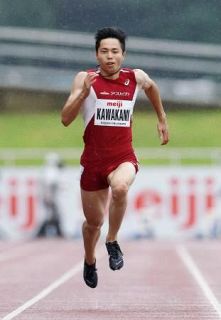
point(199, 128)
point(38, 130)
point(44, 130)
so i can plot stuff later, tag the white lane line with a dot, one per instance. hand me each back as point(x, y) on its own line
point(45, 292)
point(196, 273)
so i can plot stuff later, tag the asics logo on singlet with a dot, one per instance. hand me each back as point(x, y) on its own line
point(120, 93)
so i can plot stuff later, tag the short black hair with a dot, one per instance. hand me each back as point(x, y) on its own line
point(110, 32)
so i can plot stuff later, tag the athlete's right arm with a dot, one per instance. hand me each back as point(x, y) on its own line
point(79, 92)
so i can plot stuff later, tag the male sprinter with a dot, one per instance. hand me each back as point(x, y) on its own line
point(106, 97)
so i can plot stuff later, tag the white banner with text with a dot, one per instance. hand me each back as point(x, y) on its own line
point(163, 202)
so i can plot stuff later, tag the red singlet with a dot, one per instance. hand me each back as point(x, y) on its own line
point(107, 114)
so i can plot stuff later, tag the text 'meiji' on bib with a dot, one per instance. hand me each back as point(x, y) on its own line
point(116, 113)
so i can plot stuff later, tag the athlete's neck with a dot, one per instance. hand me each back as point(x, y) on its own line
point(113, 75)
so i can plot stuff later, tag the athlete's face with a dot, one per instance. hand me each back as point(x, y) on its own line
point(110, 55)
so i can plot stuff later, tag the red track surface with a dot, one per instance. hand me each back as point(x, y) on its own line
point(156, 282)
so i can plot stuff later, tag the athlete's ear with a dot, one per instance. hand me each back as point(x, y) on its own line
point(124, 54)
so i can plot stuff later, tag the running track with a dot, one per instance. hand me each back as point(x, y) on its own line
point(42, 279)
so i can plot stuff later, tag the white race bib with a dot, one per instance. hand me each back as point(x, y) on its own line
point(115, 113)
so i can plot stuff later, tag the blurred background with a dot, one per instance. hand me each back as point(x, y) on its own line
point(43, 44)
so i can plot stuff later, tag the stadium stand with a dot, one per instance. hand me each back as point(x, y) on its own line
point(43, 60)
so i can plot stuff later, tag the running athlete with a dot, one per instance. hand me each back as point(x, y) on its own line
point(106, 97)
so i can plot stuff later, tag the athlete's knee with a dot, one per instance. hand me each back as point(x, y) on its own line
point(120, 191)
point(93, 225)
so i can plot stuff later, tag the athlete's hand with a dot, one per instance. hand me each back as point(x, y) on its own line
point(88, 81)
point(163, 132)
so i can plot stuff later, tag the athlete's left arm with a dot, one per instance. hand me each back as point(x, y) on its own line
point(152, 92)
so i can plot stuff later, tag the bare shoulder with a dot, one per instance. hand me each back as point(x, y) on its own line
point(80, 76)
point(79, 80)
point(142, 78)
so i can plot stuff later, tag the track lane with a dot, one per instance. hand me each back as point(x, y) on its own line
point(37, 265)
point(154, 284)
point(207, 257)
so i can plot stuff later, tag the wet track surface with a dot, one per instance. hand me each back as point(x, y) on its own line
point(42, 279)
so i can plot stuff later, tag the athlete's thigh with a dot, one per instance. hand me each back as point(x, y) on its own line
point(94, 204)
point(124, 173)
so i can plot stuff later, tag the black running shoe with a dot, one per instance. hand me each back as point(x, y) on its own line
point(116, 261)
point(90, 274)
